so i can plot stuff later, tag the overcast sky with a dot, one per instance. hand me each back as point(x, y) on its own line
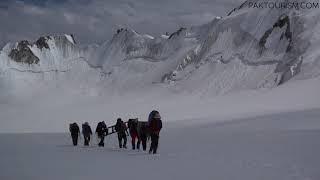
point(94, 21)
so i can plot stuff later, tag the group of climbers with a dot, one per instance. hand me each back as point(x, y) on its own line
point(139, 131)
point(75, 133)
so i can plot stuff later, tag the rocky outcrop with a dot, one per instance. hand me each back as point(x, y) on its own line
point(32, 52)
point(238, 8)
point(23, 54)
point(282, 21)
point(42, 42)
point(177, 33)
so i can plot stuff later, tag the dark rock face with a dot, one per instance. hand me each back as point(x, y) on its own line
point(73, 38)
point(23, 54)
point(177, 33)
point(238, 8)
point(119, 30)
point(166, 77)
point(42, 42)
point(281, 22)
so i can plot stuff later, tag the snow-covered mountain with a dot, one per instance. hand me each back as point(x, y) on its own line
point(249, 48)
point(49, 61)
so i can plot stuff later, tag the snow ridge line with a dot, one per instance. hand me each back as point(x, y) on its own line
point(100, 68)
point(265, 61)
point(36, 72)
point(148, 58)
point(83, 59)
point(251, 63)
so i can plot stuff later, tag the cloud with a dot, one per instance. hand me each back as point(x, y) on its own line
point(95, 21)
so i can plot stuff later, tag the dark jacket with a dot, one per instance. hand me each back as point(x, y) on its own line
point(143, 129)
point(133, 126)
point(74, 129)
point(155, 126)
point(86, 130)
point(121, 127)
point(102, 129)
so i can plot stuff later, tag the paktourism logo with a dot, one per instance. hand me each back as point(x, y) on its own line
point(298, 5)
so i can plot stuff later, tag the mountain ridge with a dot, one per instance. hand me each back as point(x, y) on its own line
point(247, 49)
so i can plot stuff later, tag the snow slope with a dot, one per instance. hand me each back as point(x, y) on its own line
point(51, 111)
point(278, 147)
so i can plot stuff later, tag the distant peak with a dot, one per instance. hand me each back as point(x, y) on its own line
point(126, 30)
point(42, 42)
point(70, 38)
point(22, 52)
point(177, 33)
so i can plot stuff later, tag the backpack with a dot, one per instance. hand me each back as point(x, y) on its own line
point(142, 128)
point(99, 128)
point(73, 128)
point(151, 115)
point(70, 127)
point(133, 125)
point(118, 126)
point(104, 128)
point(86, 129)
